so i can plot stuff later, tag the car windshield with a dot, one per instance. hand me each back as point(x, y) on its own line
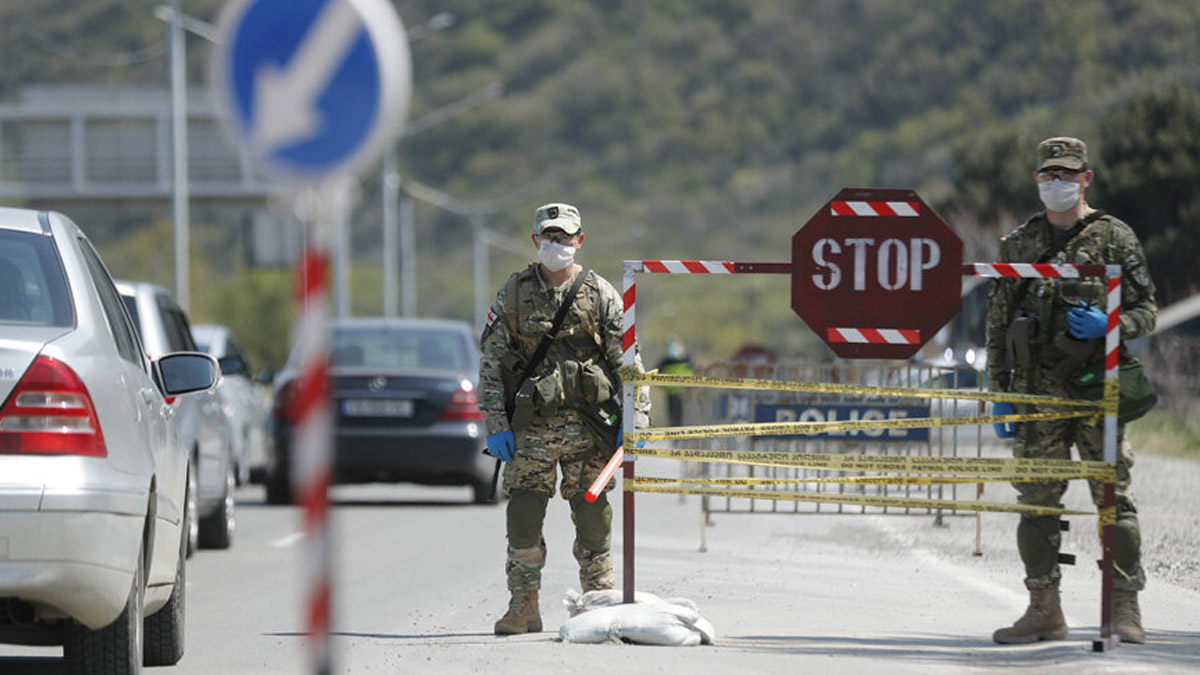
point(33, 286)
point(399, 347)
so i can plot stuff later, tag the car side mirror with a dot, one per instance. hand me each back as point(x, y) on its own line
point(187, 372)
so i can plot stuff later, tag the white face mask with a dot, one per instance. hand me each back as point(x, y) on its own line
point(555, 256)
point(1059, 195)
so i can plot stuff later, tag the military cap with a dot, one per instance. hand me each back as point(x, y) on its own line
point(1062, 151)
point(562, 216)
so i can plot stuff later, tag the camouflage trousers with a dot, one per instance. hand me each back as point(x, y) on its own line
point(546, 446)
point(1039, 537)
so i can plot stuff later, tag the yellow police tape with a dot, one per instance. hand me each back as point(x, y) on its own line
point(792, 428)
point(632, 375)
point(862, 480)
point(1045, 469)
point(1108, 516)
point(865, 500)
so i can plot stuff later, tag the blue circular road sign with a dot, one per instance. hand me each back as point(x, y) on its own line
point(312, 88)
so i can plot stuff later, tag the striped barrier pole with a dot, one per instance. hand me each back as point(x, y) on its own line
point(628, 416)
point(312, 435)
point(1108, 512)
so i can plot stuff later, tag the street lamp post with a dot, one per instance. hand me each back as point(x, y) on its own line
point(405, 222)
point(179, 192)
point(483, 238)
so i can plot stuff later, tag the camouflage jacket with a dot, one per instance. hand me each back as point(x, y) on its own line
point(1105, 240)
point(591, 330)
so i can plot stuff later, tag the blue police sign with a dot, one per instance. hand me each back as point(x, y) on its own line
point(312, 88)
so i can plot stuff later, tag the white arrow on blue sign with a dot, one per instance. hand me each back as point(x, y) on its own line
point(313, 88)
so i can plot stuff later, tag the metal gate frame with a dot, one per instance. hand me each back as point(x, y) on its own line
point(1112, 273)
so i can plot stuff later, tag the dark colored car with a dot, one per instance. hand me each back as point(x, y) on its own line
point(404, 406)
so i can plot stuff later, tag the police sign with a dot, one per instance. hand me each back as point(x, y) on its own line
point(312, 88)
point(876, 273)
point(850, 413)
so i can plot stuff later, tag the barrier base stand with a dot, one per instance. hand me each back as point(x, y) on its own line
point(1105, 644)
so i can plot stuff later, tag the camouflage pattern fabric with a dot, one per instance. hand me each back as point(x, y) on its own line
point(556, 439)
point(1106, 240)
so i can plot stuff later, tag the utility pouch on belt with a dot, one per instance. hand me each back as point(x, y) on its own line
point(1137, 394)
point(550, 395)
point(603, 422)
point(1045, 292)
point(586, 383)
point(1077, 352)
point(1018, 340)
point(523, 407)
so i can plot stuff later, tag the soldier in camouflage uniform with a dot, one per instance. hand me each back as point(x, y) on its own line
point(578, 376)
point(1040, 332)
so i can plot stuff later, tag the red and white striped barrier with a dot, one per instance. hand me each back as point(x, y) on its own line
point(903, 209)
point(1033, 270)
point(312, 443)
point(875, 336)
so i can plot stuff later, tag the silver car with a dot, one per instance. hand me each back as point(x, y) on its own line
point(203, 428)
point(244, 400)
point(93, 479)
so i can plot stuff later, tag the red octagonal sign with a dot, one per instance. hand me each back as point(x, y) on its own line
point(876, 273)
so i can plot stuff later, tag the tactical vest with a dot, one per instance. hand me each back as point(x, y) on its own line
point(574, 372)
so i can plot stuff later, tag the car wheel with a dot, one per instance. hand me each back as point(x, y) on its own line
point(279, 488)
point(216, 530)
point(164, 628)
point(193, 508)
point(481, 492)
point(243, 465)
point(115, 649)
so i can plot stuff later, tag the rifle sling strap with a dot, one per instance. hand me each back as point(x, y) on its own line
point(548, 338)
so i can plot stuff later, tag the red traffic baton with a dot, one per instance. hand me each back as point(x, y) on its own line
point(606, 475)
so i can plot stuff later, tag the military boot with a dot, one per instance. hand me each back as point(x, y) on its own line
point(1127, 618)
point(523, 615)
point(1043, 620)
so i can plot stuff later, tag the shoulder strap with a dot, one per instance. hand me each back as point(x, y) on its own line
point(544, 344)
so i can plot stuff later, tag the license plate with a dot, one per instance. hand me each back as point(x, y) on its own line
point(377, 407)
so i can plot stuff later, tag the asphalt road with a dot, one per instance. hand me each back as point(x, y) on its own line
point(420, 583)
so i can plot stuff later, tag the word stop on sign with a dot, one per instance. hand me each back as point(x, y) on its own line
point(895, 264)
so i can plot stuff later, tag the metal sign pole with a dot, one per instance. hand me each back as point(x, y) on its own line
point(316, 92)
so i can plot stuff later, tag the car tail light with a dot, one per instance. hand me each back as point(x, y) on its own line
point(285, 401)
point(464, 405)
point(50, 412)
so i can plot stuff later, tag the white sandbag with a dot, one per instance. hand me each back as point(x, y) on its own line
point(577, 603)
point(659, 623)
point(593, 627)
point(599, 616)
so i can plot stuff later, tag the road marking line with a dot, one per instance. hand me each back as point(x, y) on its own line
point(284, 542)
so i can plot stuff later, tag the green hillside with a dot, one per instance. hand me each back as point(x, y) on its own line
point(714, 129)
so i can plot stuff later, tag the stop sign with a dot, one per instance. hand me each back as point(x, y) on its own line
point(876, 273)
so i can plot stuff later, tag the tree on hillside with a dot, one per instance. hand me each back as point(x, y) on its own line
point(992, 188)
point(1150, 154)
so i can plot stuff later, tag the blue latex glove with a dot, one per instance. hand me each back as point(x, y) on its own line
point(1004, 429)
point(621, 440)
point(501, 445)
point(1086, 322)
